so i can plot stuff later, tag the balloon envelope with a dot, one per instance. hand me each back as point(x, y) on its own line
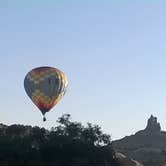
point(45, 86)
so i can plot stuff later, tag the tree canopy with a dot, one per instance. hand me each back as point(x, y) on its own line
point(68, 144)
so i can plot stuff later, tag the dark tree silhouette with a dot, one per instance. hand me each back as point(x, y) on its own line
point(68, 144)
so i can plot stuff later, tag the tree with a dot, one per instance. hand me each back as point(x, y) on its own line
point(68, 144)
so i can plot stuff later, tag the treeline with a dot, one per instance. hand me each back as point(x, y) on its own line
point(68, 144)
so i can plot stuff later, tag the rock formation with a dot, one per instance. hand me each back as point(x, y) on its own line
point(147, 146)
point(153, 127)
point(125, 161)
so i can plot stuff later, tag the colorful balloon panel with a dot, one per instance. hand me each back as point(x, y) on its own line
point(45, 86)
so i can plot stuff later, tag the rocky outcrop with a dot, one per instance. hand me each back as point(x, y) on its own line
point(153, 127)
point(147, 146)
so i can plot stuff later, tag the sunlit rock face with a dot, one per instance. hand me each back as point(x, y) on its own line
point(125, 161)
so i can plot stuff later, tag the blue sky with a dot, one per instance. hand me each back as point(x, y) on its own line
point(114, 54)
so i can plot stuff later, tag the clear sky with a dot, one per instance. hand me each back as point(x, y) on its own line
point(113, 52)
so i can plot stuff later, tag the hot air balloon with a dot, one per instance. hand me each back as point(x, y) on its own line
point(45, 86)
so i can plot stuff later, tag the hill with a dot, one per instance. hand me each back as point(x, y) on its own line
point(147, 146)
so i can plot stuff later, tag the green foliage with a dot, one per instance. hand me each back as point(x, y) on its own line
point(68, 144)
